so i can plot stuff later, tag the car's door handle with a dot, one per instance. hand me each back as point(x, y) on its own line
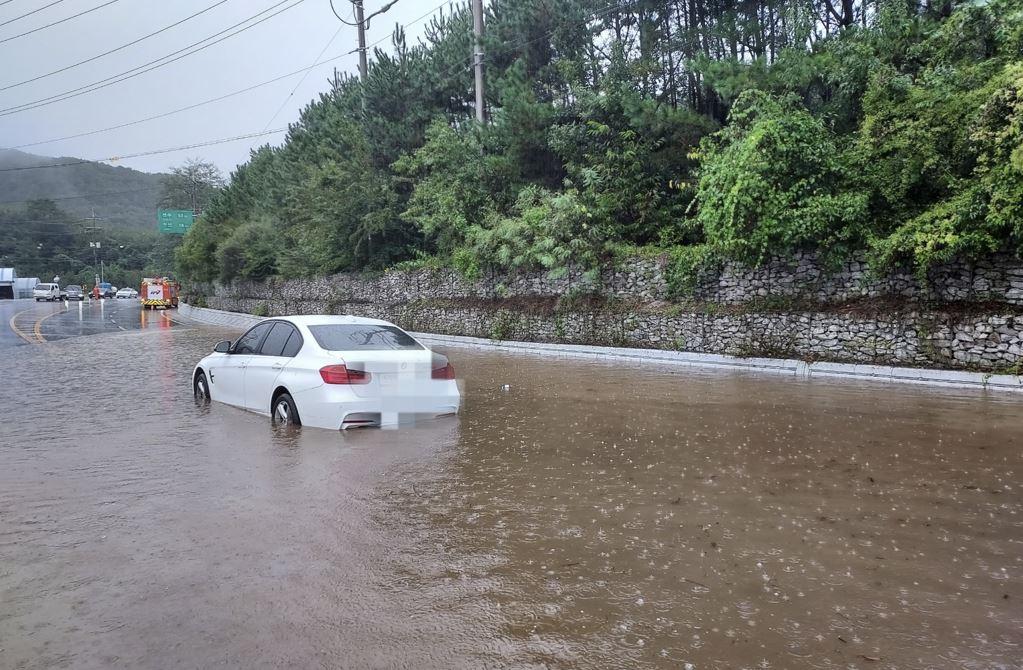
point(277, 366)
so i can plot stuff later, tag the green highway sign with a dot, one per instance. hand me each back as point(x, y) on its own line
point(174, 221)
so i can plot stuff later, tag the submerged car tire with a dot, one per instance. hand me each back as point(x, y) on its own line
point(201, 388)
point(283, 412)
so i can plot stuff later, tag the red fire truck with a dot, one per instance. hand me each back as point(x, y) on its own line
point(159, 292)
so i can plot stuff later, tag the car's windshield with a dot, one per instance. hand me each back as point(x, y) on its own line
point(362, 337)
point(74, 287)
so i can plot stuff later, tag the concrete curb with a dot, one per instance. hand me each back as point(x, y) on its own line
point(883, 373)
point(217, 317)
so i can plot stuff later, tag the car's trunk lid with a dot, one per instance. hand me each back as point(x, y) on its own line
point(390, 372)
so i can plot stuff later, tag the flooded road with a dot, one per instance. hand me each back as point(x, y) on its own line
point(589, 516)
point(31, 322)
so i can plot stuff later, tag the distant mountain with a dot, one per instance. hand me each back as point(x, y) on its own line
point(122, 197)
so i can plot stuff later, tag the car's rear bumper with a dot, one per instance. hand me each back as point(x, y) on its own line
point(339, 408)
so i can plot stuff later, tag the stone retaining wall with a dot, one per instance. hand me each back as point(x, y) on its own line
point(977, 324)
point(996, 279)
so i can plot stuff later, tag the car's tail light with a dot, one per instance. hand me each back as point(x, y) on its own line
point(443, 372)
point(340, 374)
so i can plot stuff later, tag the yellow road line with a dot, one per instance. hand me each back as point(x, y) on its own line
point(38, 330)
point(18, 331)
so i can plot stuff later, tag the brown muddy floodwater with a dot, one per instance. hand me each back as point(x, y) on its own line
point(591, 516)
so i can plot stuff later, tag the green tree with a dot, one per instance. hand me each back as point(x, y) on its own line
point(191, 186)
point(775, 180)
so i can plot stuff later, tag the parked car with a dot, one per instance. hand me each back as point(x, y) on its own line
point(74, 292)
point(332, 372)
point(46, 291)
point(126, 293)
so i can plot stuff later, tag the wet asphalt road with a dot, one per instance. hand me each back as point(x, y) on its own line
point(593, 516)
point(31, 322)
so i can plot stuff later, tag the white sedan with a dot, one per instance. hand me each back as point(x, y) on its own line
point(127, 293)
point(331, 372)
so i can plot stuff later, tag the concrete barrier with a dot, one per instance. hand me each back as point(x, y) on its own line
point(931, 377)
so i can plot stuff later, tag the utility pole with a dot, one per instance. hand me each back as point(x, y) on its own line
point(477, 54)
point(93, 219)
point(361, 22)
point(91, 230)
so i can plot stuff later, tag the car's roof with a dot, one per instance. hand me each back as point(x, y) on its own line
point(330, 319)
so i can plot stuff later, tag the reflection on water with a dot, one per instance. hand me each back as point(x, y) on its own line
point(588, 516)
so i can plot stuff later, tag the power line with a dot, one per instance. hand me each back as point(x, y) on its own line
point(146, 153)
point(142, 69)
point(339, 16)
point(82, 196)
point(180, 109)
point(408, 25)
point(34, 11)
point(106, 53)
point(218, 98)
point(50, 25)
point(304, 75)
point(44, 223)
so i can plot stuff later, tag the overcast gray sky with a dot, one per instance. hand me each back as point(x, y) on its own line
point(287, 42)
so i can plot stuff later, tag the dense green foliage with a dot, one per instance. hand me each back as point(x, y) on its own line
point(711, 130)
point(120, 196)
point(41, 240)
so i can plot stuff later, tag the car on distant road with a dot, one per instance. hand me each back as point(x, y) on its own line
point(126, 293)
point(334, 372)
point(74, 292)
point(106, 290)
point(46, 291)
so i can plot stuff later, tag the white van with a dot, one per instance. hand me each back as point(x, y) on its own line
point(46, 291)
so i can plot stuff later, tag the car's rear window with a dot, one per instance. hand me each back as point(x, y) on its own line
point(362, 337)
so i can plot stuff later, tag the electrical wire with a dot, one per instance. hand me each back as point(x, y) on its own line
point(354, 25)
point(459, 68)
point(304, 75)
point(180, 109)
point(107, 53)
point(146, 153)
point(82, 196)
point(150, 66)
point(212, 100)
point(34, 11)
point(50, 25)
point(408, 25)
point(40, 223)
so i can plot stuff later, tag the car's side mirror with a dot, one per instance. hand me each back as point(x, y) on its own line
point(223, 347)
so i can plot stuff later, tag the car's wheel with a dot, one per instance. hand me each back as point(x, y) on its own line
point(284, 412)
point(201, 388)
